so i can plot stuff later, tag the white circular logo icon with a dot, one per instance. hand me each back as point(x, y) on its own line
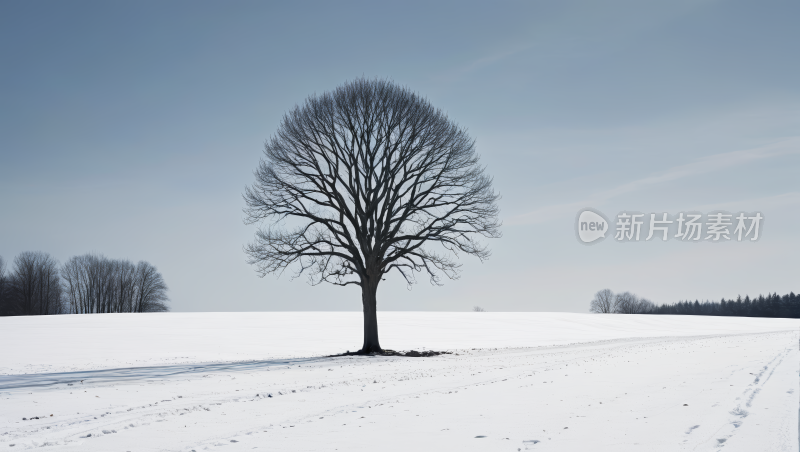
point(591, 226)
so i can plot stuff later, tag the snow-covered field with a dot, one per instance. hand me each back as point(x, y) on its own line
point(514, 382)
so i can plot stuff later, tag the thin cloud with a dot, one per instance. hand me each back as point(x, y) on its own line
point(483, 62)
point(493, 58)
point(763, 203)
point(708, 164)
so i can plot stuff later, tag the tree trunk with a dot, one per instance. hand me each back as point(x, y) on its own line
point(369, 292)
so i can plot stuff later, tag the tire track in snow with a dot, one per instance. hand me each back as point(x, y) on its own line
point(728, 430)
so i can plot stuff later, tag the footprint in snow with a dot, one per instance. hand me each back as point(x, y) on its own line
point(529, 444)
point(739, 412)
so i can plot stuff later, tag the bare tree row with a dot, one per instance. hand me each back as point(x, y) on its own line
point(37, 285)
point(606, 302)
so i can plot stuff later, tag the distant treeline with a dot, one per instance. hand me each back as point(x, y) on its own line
point(607, 302)
point(37, 285)
point(787, 306)
point(774, 305)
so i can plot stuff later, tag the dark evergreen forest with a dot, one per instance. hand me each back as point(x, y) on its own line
point(774, 305)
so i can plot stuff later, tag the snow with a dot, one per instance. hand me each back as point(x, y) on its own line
point(514, 382)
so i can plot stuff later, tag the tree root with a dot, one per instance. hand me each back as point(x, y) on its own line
point(386, 352)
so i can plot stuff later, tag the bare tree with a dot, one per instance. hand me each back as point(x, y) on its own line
point(645, 306)
point(603, 302)
point(35, 286)
point(125, 286)
point(628, 303)
point(625, 303)
point(83, 277)
point(150, 293)
point(478, 309)
point(364, 180)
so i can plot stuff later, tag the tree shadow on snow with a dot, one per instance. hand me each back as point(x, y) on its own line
point(176, 370)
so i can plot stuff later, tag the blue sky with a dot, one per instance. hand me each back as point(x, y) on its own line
point(131, 129)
